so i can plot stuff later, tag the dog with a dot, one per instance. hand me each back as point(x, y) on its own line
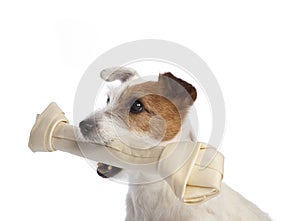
point(147, 113)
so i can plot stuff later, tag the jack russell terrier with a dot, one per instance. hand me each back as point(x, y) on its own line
point(149, 113)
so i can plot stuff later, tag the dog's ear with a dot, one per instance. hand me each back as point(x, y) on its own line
point(118, 73)
point(177, 89)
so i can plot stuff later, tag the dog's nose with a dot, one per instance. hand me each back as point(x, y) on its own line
point(86, 126)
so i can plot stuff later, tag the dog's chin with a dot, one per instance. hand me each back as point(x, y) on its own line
point(103, 170)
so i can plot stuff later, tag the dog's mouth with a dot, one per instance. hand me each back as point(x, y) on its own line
point(88, 128)
point(107, 171)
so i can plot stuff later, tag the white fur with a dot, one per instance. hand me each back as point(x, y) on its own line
point(156, 201)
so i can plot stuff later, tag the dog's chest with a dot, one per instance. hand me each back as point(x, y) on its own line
point(157, 202)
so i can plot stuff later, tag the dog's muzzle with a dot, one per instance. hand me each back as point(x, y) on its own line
point(86, 126)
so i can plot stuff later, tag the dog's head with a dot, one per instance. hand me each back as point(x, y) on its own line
point(140, 114)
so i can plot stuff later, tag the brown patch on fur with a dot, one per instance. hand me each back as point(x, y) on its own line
point(171, 83)
point(165, 103)
point(160, 118)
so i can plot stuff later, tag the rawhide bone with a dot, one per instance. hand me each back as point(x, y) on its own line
point(193, 170)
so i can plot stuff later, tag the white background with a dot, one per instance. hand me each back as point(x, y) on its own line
point(252, 47)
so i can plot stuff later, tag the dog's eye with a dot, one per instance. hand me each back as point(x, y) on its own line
point(108, 100)
point(137, 107)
